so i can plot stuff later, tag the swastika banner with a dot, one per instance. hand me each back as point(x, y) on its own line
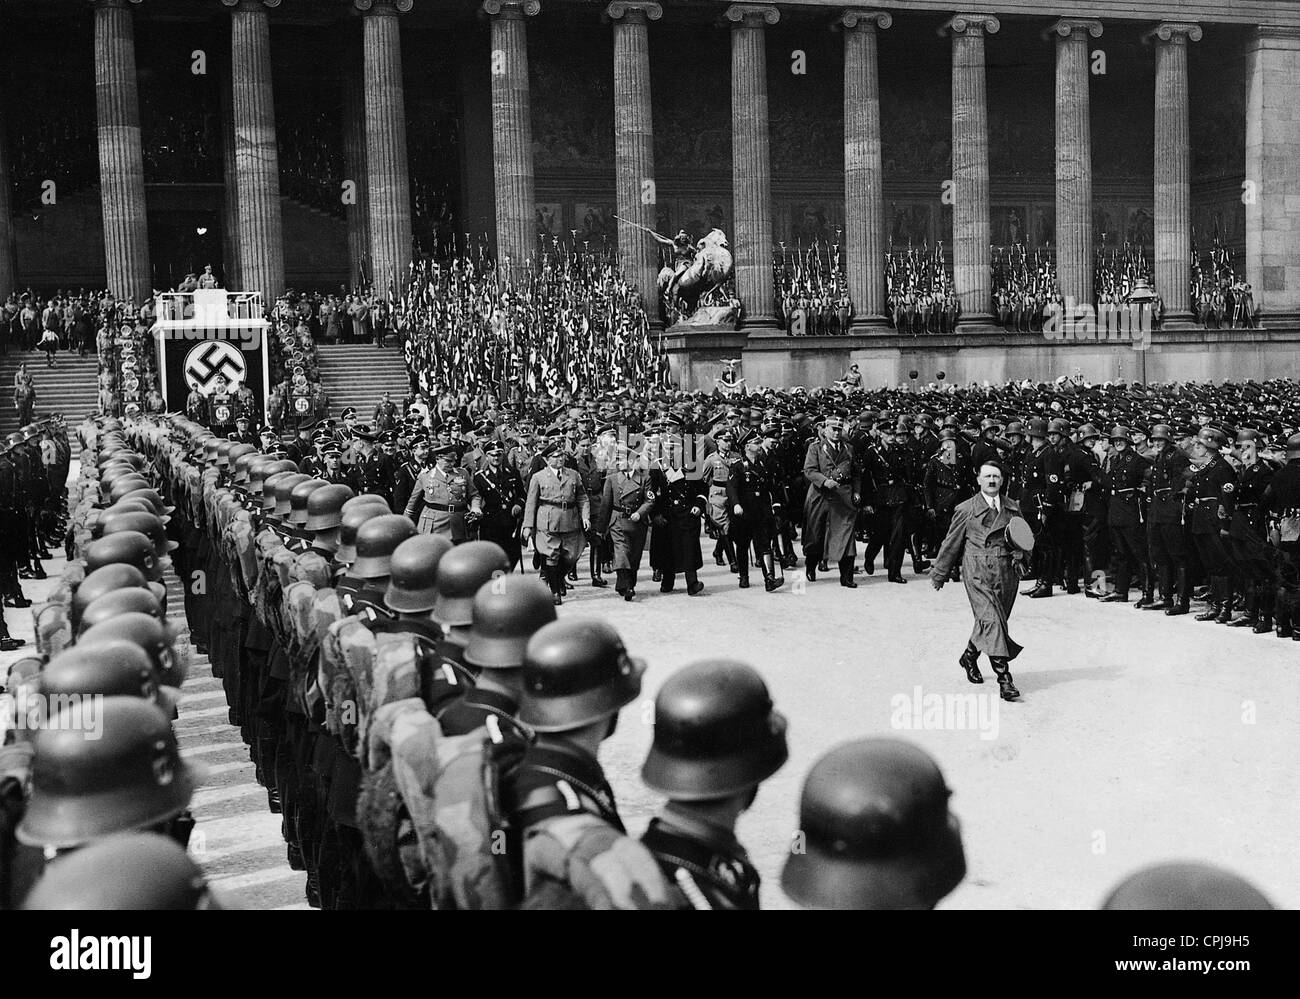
point(203, 364)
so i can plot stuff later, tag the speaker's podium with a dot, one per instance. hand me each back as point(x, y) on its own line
point(203, 336)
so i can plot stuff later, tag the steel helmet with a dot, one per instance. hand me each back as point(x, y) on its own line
point(276, 489)
point(716, 733)
point(1185, 885)
point(112, 577)
point(325, 507)
point(240, 457)
point(151, 635)
point(109, 668)
point(353, 517)
point(147, 524)
point(507, 612)
point(460, 574)
point(131, 777)
point(259, 472)
point(878, 832)
point(160, 506)
point(126, 485)
point(413, 573)
point(377, 539)
point(130, 547)
point(575, 672)
point(125, 872)
point(130, 600)
point(298, 501)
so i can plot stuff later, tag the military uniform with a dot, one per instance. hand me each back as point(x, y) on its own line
point(626, 492)
point(503, 504)
point(441, 500)
point(708, 868)
point(1122, 477)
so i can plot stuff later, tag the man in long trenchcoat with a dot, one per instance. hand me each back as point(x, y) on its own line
point(830, 507)
point(978, 536)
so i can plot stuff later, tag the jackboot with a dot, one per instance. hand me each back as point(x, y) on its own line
point(846, 573)
point(770, 582)
point(1182, 599)
point(970, 662)
point(1006, 685)
point(1265, 622)
point(1250, 609)
point(1211, 613)
point(742, 567)
point(1284, 606)
point(1229, 598)
point(1166, 599)
point(693, 584)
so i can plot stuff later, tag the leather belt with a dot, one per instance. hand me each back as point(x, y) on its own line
point(1206, 499)
point(562, 506)
point(445, 508)
point(625, 512)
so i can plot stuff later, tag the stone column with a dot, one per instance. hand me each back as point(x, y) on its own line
point(970, 168)
point(1173, 221)
point(634, 154)
point(864, 200)
point(354, 162)
point(257, 160)
point(389, 176)
point(512, 130)
point(121, 159)
point(1272, 162)
point(229, 173)
point(1073, 159)
point(751, 167)
point(8, 261)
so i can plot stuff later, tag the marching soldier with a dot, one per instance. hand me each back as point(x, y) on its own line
point(450, 500)
point(557, 515)
point(625, 516)
point(751, 492)
point(502, 493)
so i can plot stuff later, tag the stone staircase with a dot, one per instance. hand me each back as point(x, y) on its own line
point(70, 388)
point(359, 374)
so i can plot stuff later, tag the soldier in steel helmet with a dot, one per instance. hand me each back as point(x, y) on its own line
point(717, 737)
point(875, 831)
point(445, 673)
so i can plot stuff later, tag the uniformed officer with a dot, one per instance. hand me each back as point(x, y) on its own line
point(376, 468)
point(1281, 502)
point(1210, 501)
point(502, 494)
point(445, 499)
point(1122, 476)
point(717, 737)
point(1247, 542)
point(242, 434)
point(714, 472)
point(337, 473)
point(876, 831)
point(625, 507)
point(755, 506)
point(1168, 483)
point(894, 499)
point(1041, 497)
point(557, 516)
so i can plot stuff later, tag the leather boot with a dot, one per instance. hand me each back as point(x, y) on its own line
point(1148, 590)
point(596, 579)
point(970, 662)
point(770, 581)
point(1182, 599)
point(1119, 595)
point(730, 551)
point(788, 558)
point(1265, 622)
point(1229, 599)
point(742, 566)
point(1006, 685)
point(1284, 607)
point(846, 573)
point(1165, 601)
point(1250, 609)
point(693, 584)
point(1211, 613)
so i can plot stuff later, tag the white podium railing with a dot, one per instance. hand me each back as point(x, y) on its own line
point(215, 306)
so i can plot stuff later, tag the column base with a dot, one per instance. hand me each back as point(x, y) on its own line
point(762, 327)
point(976, 322)
point(1178, 321)
point(869, 325)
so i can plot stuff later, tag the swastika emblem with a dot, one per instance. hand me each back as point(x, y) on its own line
point(301, 404)
point(212, 358)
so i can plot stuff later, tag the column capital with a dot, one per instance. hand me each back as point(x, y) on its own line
point(380, 8)
point(970, 24)
point(751, 15)
point(251, 3)
point(858, 19)
point(512, 8)
point(1065, 26)
point(634, 10)
point(1176, 32)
